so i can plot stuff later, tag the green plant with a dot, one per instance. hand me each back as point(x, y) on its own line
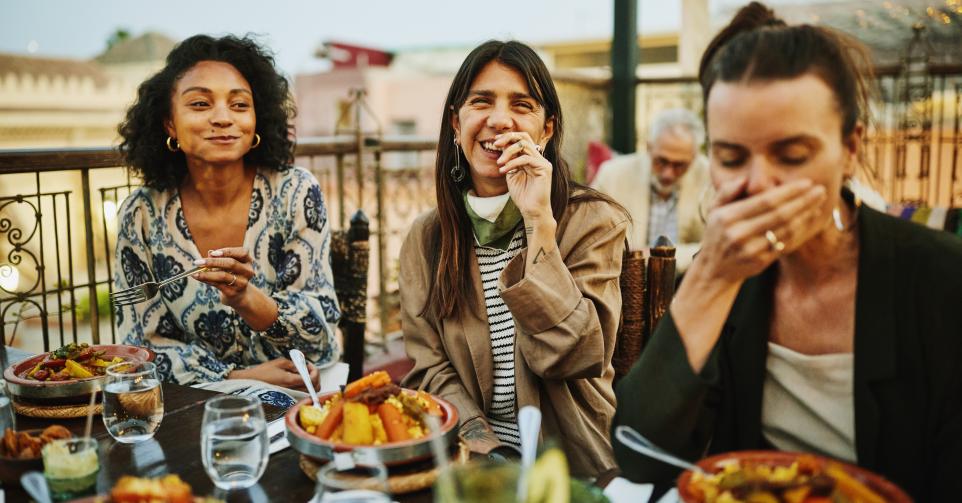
point(82, 307)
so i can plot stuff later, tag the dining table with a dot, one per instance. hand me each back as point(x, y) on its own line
point(175, 448)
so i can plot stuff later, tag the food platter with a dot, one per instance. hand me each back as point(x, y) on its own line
point(689, 493)
point(390, 454)
point(67, 391)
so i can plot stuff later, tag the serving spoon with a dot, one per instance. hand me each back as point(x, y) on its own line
point(637, 442)
point(301, 364)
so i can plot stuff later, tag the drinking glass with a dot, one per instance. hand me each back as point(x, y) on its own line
point(478, 482)
point(233, 441)
point(7, 417)
point(70, 467)
point(359, 484)
point(133, 401)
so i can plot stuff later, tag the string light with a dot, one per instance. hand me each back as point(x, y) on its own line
point(9, 277)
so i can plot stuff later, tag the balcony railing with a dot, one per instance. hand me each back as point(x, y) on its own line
point(58, 211)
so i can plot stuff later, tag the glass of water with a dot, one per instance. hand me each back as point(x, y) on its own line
point(358, 484)
point(133, 401)
point(7, 418)
point(233, 441)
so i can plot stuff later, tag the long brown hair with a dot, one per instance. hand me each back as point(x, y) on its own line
point(453, 238)
point(757, 45)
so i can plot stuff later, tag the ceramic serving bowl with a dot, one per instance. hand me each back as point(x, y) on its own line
point(884, 488)
point(390, 454)
point(73, 391)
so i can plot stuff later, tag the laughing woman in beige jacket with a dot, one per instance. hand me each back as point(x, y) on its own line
point(509, 288)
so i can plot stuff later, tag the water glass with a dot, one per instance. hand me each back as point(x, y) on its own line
point(133, 401)
point(360, 484)
point(233, 441)
point(7, 417)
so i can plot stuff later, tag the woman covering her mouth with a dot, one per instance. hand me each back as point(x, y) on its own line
point(807, 322)
point(210, 136)
point(509, 288)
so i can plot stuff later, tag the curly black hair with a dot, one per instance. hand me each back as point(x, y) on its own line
point(142, 130)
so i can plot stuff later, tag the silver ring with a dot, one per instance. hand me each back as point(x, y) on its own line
point(773, 242)
point(232, 280)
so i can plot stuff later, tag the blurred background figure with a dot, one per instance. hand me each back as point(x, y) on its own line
point(661, 188)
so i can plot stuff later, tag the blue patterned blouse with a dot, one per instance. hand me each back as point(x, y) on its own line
point(198, 339)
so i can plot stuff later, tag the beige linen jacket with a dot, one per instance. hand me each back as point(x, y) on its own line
point(627, 179)
point(566, 311)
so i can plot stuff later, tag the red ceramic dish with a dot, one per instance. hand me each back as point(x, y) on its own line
point(391, 453)
point(887, 490)
point(45, 391)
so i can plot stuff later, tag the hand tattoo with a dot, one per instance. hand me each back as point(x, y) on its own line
point(540, 256)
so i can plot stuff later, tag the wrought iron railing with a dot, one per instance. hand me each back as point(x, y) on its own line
point(58, 228)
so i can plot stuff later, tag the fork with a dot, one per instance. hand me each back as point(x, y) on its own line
point(147, 291)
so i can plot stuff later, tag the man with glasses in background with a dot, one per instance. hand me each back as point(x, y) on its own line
point(663, 186)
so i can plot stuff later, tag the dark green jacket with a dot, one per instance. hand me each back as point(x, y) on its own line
point(908, 369)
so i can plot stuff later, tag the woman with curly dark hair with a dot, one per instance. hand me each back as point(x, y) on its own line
point(210, 136)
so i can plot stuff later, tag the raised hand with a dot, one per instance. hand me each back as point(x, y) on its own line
point(527, 172)
point(230, 271)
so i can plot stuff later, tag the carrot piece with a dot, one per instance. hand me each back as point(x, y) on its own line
point(434, 408)
point(850, 486)
point(393, 423)
point(331, 421)
point(373, 380)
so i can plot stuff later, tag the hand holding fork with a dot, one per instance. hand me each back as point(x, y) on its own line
point(149, 290)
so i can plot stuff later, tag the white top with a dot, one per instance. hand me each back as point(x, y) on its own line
point(808, 402)
point(487, 208)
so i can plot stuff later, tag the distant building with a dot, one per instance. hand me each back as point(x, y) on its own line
point(405, 91)
point(50, 102)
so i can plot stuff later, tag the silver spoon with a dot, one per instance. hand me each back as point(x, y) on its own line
point(637, 442)
point(299, 362)
point(529, 427)
point(36, 486)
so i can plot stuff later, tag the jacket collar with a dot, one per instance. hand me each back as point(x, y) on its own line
point(474, 320)
point(875, 327)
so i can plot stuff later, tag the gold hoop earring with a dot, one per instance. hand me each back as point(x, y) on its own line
point(257, 141)
point(171, 147)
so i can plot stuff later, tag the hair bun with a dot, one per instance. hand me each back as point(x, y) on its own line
point(749, 18)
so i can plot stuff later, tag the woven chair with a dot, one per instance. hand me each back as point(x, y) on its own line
point(350, 253)
point(647, 286)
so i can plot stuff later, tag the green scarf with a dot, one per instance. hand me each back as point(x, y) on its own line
point(495, 234)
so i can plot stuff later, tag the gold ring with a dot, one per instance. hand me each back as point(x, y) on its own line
point(232, 279)
point(773, 242)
